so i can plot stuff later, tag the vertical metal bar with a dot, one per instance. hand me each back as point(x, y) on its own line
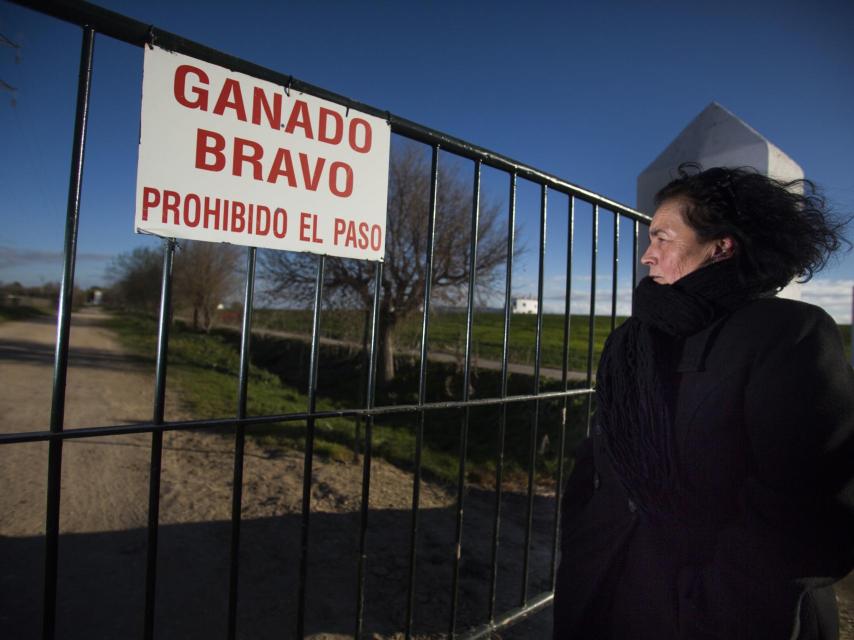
point(63, 332)
point(422, 389)
point(309, 448)
point(635, 233)
point(366, 467)
point(615, 269)
point(535, 422)
point(240, 442)
point(464, 427)
point(565, 383)
point(366, 339)
point(594, 254)
point(502, 420)
point(163, 321)
point(157, 437)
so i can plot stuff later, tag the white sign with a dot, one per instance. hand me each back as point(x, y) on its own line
point(225, 157)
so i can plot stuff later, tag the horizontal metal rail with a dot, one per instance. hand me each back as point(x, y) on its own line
point(138, 33)
point(187, 425)
point(511, 617)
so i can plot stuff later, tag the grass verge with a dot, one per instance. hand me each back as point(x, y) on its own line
point(22, 312)
point(204, 368)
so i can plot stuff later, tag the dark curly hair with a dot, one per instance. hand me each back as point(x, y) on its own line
point(782, 230)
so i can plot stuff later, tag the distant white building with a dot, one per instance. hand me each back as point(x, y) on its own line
point(524, 305)
point(715, 138)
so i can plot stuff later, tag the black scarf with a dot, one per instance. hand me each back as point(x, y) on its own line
point(633, 414)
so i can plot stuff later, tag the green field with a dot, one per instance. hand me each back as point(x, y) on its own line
point(447, 333)
point(204, 368)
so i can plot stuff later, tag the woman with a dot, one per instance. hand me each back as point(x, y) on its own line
point(714, 497)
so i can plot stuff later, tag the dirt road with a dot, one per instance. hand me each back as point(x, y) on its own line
point(104, 509)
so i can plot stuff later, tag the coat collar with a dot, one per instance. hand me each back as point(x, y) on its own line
point(695, 348)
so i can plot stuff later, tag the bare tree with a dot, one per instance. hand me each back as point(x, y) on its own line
point(135, 277)
point(205, 275)
point(347, 283)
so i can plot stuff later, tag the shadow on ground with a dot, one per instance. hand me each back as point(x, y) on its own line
point(102, 575)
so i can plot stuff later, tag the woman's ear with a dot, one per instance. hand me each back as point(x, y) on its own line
point(724, 249)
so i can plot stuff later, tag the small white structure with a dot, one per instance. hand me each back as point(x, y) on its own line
point(715, 138)
point(524, 305)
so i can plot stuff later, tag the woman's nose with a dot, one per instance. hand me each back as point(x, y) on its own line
point(646, 258)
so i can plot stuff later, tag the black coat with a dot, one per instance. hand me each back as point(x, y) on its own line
point(763, 406)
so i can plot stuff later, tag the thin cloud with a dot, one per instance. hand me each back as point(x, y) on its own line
point(580, 302)
point(834, 296)
point(16, 257)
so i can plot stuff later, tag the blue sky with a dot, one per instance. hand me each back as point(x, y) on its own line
point(591, 92)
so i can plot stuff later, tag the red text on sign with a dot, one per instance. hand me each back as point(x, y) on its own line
point(355, 235)
point(248, 155)
point(191, 88)
point(308, 228)
point(192, 210)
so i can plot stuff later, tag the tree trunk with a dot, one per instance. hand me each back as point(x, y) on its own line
point(387, 351)
point(208, 319)
point(195, 318)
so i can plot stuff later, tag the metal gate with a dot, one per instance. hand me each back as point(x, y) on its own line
point(94, 20)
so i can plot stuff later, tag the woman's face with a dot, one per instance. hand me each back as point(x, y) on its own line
point(674, 248)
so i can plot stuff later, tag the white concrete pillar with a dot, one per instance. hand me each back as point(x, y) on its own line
point(715, 138)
